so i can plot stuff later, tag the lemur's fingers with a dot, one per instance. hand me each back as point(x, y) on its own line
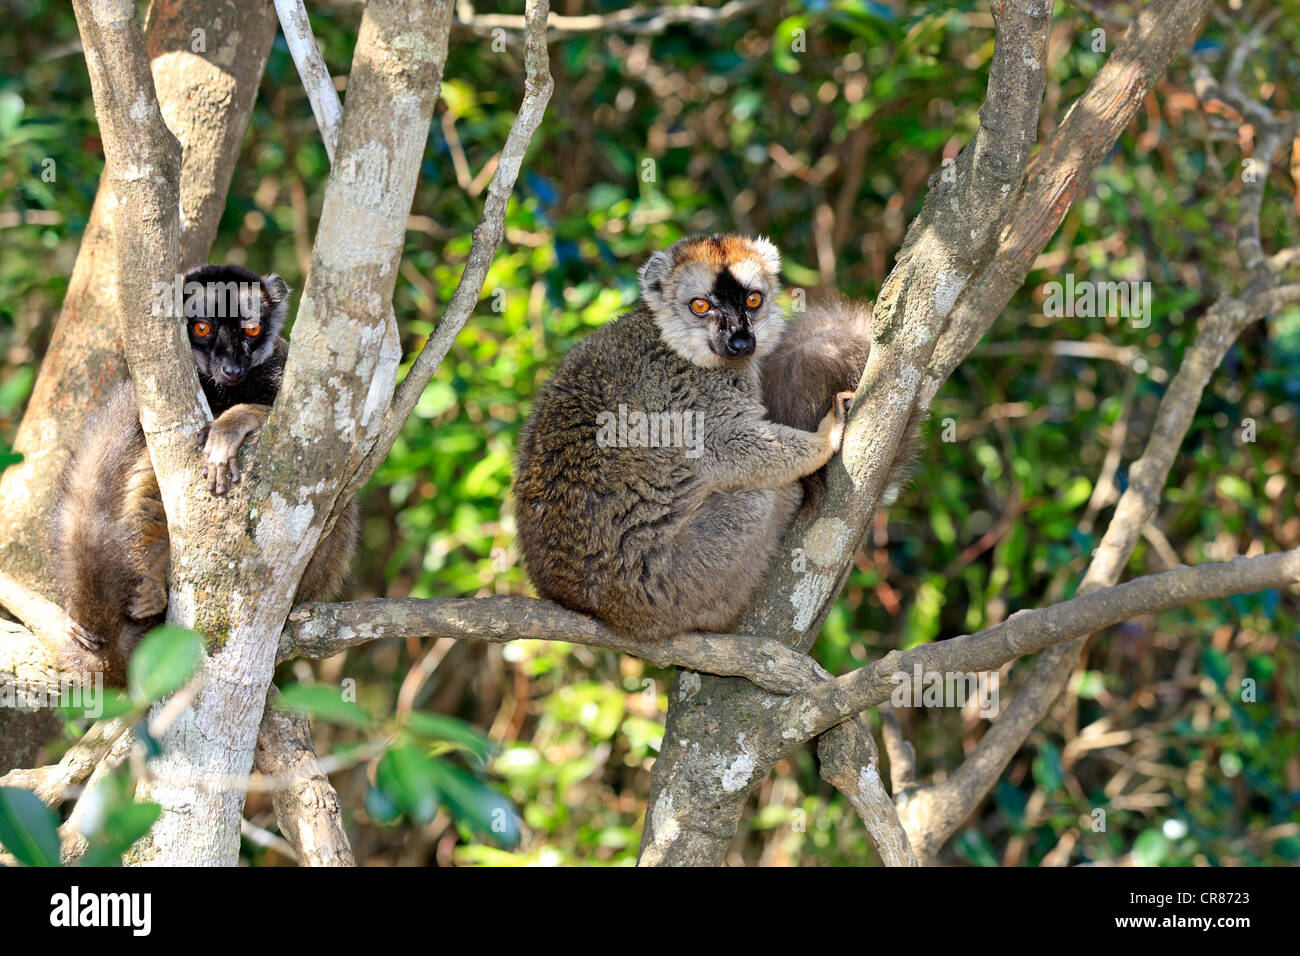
point(220, 462)
point(83, 637)
point(225, 436)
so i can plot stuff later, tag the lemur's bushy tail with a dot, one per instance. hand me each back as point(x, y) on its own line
point(98, 557)
point(824, 352)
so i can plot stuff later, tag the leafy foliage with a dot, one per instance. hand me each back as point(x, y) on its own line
point(824, 144)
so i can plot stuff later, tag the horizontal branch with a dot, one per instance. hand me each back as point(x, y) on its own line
point(322, 630)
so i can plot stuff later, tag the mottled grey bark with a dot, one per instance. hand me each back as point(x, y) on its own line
point(306, 804)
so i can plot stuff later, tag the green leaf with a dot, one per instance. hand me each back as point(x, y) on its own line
point(1150, 848)
point(1092, 684)
point(11, 111)
point(163, 662)
point(28, 829)
point(106, 705)
point(119, 832)
point(325, 703)
point(439, 727)
point(975, 848)
point(1049, 774)
point(477, 805)
point(1235, 489)
point(408, 777)
point(381, 809)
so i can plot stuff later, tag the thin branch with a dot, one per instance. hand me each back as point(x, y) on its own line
point(45, 618)
point(61, 781)
point(638, 19)
point(316, 79)
point(1126, 355)
point(902, 756)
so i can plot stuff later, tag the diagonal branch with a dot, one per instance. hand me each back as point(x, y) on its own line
point(316, 79)
point(1062, 170)
point(307, 806)
point(934, 813)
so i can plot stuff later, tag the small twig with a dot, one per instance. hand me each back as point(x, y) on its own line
point(902, 756)
point(260, 836)
point(316, 79)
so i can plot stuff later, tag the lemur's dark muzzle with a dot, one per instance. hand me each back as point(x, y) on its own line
point(740, 344)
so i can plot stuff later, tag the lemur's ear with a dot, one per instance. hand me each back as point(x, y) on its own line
point(276, 293)
point(275, 287)
point(771, 256)
point(654, 272)
point(274, 312)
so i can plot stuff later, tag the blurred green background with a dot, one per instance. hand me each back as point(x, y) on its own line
point(815, 123)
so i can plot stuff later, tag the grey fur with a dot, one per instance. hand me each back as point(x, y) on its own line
point(650, 540)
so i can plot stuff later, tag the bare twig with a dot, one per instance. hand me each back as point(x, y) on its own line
point(316, 79)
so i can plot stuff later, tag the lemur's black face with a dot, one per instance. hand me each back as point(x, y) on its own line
point(234, 318)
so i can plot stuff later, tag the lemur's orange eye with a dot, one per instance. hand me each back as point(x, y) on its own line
point(201, 330)
point(754, 300)
point(700, 306)
point(254, 330)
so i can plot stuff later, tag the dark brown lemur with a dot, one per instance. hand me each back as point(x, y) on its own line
point(652, 486)
point(110, 540)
